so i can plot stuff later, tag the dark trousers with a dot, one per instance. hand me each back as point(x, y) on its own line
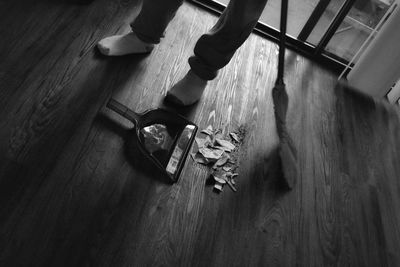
point(214, 49)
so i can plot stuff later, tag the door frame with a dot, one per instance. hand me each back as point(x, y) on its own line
point(298, 44)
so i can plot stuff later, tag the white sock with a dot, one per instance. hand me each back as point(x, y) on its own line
point(119, 45)
point(187, 91)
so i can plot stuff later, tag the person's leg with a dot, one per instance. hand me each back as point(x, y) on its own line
point(216, 48)
point(147, 29)
point(154, 18)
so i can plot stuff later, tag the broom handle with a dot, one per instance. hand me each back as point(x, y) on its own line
point(282, 42)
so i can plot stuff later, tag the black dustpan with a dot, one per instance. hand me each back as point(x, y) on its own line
point(163, 136)
point(287, 150)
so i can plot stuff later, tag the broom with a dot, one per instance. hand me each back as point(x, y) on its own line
point(286, 148)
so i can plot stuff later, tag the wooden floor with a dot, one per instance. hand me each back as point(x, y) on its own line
point(70, 196)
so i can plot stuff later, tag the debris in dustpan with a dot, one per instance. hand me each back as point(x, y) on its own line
point(164, 137)
point(213, 150)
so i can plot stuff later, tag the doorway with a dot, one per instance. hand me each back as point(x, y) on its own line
point(331, 32)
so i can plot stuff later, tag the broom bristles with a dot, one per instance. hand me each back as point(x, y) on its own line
point(287, 150)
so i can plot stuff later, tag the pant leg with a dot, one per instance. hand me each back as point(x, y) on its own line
point(216, 48)
point(153, 19)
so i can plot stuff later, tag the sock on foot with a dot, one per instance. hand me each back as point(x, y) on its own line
point(187, 91)
point(119, 45)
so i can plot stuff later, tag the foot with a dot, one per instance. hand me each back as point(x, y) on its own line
point(119, 45)
point(187, 91)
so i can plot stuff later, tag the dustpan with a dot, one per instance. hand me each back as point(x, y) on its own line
point(286, 149)
point(162, 136)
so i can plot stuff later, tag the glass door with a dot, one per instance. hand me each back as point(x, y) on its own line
point(358, 27)
point(329, 31)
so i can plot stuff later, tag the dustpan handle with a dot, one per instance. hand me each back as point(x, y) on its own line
point(123, 111)
point(282, 42)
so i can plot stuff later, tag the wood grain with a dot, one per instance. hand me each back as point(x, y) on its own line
point(72, 194)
